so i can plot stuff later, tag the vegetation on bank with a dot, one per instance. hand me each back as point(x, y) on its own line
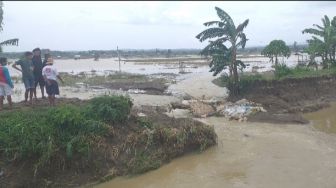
point(45, 133)
point(280, 72)
point(101, 138)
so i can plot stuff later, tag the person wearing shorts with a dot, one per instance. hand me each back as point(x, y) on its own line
point(27, 75)
point(38, 65)
point(6, 84)
point(50, 75)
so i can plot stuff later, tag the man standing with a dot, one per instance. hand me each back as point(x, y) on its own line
point(27, 75)
point(38, 65)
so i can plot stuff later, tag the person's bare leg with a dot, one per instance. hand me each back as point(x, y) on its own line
point(31, 93)
point(1, 102)
point(50, 100)
point(9, 99)
point(42, 91)
point(26, 95)
point(53, 100)
point(34, 92)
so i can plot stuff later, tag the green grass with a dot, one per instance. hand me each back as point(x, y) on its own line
point(44, 133)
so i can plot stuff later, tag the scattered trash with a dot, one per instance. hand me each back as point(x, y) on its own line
point(241, 109)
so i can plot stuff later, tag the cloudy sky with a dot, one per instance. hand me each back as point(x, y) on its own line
point(153, 24)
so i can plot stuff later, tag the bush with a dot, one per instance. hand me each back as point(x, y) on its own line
point(282, 70)
point(111, 109)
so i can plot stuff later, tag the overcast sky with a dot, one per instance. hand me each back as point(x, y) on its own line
point(154, 24)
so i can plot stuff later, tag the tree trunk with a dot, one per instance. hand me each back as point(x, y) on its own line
point(235, 71)
point(276, 61)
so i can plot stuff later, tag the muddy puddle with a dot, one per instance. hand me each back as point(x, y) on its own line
point(249, 155)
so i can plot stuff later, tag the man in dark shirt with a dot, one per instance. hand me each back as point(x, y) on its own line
point(27, 74)
point(38, 66)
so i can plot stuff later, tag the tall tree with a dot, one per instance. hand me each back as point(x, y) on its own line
point(224, 31)
point(11, 42)
point(325, 35)
point(275, 49)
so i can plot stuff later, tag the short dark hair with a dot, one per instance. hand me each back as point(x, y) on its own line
point(3, 60)
point(28, 53)
point(36, 49)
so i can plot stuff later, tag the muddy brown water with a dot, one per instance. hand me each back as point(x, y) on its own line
point(324, 120)
point(251, 155)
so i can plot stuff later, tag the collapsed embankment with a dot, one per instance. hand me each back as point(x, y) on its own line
point(286, 99)
point(100, 151)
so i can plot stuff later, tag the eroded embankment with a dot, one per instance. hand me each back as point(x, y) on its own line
point(286, 99)
point(140, 144)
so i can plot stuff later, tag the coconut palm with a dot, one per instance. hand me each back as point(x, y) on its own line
point(10, 42)
point(223, 31)
point(325, 35)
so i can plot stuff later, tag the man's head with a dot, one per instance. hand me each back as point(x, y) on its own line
point(37, 52)
point(3, 61)
point(28, 55)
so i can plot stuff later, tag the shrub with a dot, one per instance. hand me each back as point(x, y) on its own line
point(111, 109)
point(42, 133)
point(282, 70)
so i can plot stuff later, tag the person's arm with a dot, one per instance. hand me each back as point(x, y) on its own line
point(46, 79)
point(58, 76)
point(15, 66)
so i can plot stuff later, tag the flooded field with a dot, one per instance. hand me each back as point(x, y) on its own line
point(248, 155)
point(196, 72)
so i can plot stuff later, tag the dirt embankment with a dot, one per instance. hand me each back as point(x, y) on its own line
point(140, 144)
point(286, 99)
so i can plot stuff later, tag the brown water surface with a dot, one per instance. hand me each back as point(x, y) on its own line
point(249, 155)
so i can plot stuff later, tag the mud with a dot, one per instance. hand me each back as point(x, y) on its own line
point(290, 96)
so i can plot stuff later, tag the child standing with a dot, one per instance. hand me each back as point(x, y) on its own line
point(6, 84)
point(50, 75)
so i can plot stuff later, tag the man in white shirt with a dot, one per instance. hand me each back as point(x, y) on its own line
point(50, 75)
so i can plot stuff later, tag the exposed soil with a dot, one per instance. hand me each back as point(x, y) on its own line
point(290, 96)
point(131, 148)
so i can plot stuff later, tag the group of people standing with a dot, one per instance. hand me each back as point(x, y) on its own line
point(34, 72)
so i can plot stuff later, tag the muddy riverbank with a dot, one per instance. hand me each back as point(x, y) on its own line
point(285, 100)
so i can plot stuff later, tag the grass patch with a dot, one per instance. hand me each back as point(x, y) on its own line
point(47, 133)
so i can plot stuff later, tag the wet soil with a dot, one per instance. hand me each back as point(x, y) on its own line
point(289, 96)
point(137, 146)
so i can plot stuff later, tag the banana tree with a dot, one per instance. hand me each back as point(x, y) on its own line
point(325, 35)
point(224, 31)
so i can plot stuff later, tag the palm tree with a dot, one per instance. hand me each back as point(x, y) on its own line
point(10, 42)
point(225, 31)
point(325, 35)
